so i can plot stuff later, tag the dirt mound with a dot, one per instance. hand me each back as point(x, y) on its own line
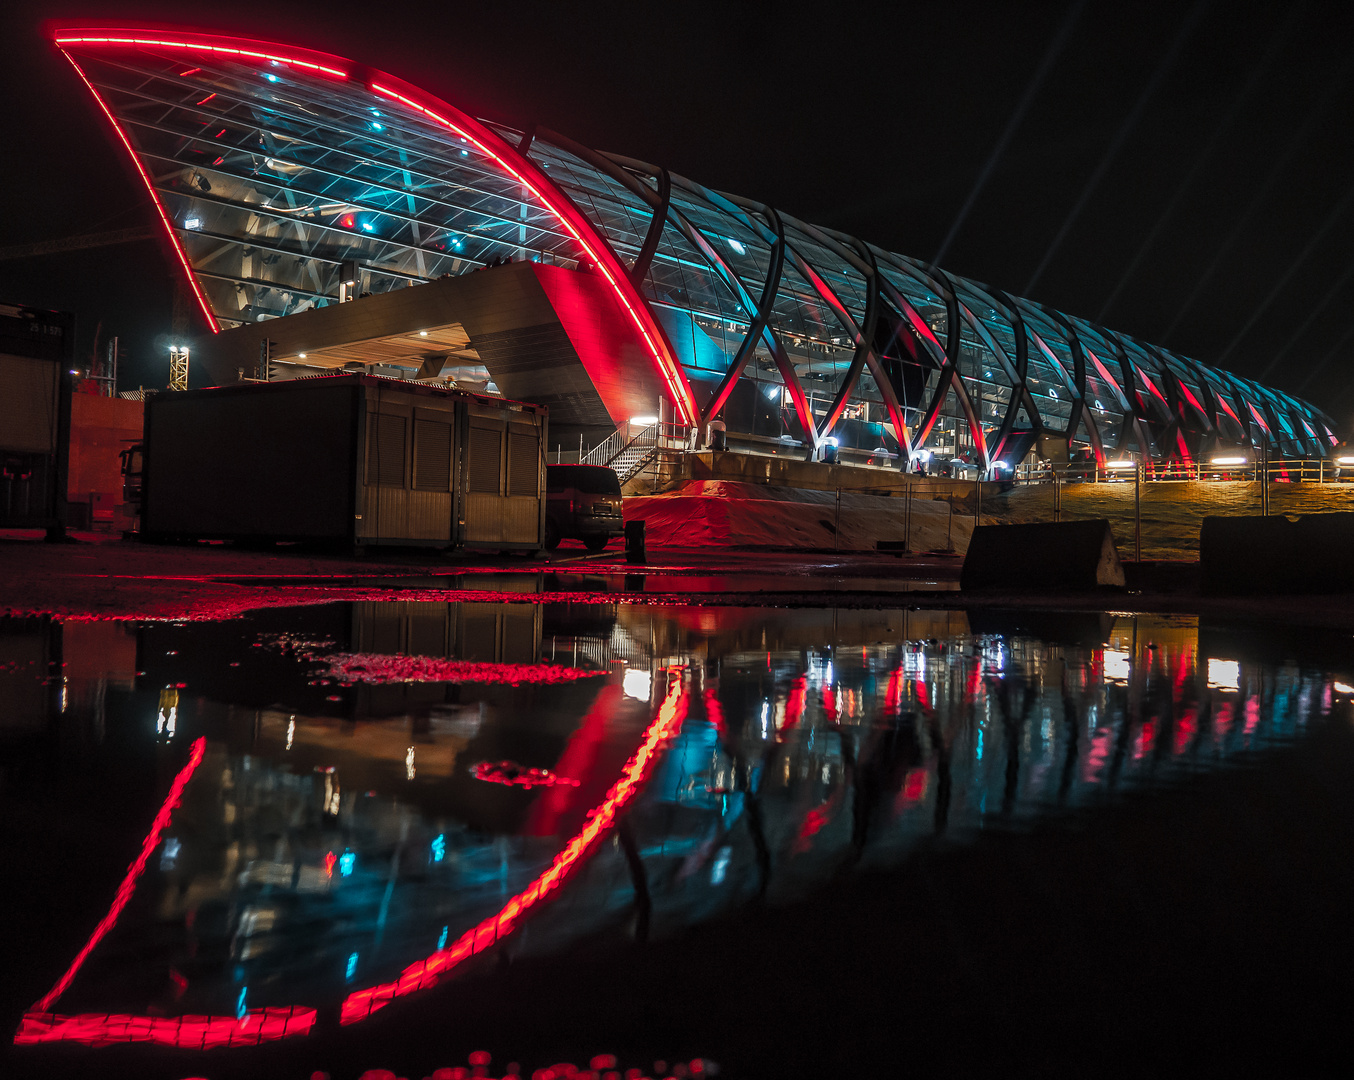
point(723, 513)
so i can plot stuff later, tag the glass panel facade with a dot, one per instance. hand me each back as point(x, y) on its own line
point(273, 171)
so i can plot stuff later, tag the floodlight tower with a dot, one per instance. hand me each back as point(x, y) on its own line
point(178, 367)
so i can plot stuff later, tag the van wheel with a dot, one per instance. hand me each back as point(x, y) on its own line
point(551, 534)
point(595, 543)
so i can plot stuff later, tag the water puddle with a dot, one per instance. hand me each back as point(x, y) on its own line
point(357, 799)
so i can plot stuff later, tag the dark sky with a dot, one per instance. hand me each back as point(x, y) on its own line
point(874, 120)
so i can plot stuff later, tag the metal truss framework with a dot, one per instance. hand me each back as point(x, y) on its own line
point(271, 166)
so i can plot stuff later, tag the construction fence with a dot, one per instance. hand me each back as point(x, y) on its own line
point(1160, 518)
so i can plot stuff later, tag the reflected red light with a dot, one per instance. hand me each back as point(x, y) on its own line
point(1097, 756)
point(913, 789)
point(1222, 718)
point(814, 821)
point(512, 774)
point(425, 973)
point(380, 668)
point(794, 705)
point(1146, 740)
point(893, 693)
point(1185, 728)
point(189, 1032)
point(715, 711)
point(1252, 716)
point(134, 872)
point(185, 1032)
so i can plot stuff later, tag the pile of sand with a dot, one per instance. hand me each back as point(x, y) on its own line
point(723, 513)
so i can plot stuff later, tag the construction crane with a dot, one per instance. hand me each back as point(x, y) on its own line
point(80, 243)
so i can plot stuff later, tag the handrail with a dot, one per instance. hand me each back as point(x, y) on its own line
point(1278, 470)
point(663, 436)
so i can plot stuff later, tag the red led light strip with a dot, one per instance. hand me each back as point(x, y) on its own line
point(678, 391)
point(225, 50)
point(154, 197)
point(188, 1032)
point(128, 886)
point(425, 973)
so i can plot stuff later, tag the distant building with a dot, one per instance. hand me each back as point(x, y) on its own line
point(36, 347)
point(287, 177)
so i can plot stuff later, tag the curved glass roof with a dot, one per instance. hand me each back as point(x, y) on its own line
point(272, 166)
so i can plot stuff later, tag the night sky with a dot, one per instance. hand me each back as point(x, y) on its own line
point(877, 121)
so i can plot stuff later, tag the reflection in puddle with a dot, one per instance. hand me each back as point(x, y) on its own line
point(360, 798)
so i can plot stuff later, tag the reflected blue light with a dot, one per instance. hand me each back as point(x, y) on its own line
point(346, 862)
point(439, 847)
point(271, 78)
point(240, 1007)
point(352, 968)
point(442, 938)
point(719, 871)
point(367, 226)
point(377, 127)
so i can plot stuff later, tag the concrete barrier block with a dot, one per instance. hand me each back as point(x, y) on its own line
point(1069, 556)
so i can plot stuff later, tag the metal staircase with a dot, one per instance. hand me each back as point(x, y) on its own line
point(630, 452)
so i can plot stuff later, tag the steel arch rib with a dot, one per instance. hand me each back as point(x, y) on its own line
point(768, 334)
point(863, 335)
point(949, 354)
point(997, 350)
point(1081, 412)
point(783, 363)
point(658, 200)
point(1020, 393)
point(953, 305)
point(928, 340)
point(941, 354)
point(758, 327)
point(517, 164)
point(742, 210)
point(732, 280)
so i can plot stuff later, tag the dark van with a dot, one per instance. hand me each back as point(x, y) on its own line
point(583, 502)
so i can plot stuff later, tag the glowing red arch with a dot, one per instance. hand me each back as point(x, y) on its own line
point(515, 163)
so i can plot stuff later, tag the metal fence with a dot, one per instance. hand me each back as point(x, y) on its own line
point(1155, 511)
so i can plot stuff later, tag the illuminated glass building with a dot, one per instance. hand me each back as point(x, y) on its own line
point(273, 167)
